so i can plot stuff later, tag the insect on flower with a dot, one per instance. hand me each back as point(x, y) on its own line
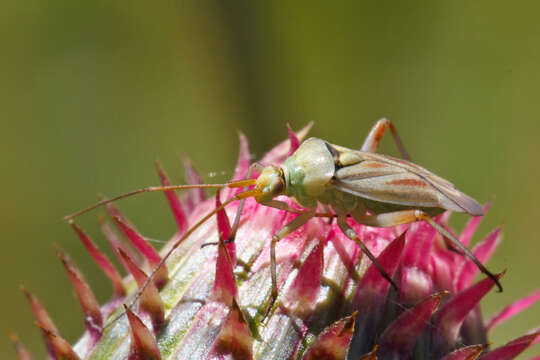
point(375, 190)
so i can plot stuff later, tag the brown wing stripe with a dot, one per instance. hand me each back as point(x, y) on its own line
point(374, 165)
point(407, 182)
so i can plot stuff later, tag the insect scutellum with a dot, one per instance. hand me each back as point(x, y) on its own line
point(373, 189)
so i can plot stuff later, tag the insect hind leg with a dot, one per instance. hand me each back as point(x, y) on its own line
point(351, 234)
point(375, 135)
point(409, 216)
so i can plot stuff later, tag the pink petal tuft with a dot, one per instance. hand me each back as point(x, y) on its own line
point(451, 315)
point(471, 352)
point(401, 335)
point(225, 289)
point(483, 251)
point(151, 302)
point(146, 250)
point(513, 348)
point(420, 238)
point(92, 313)
point(193, 197)
point(415, 284)
point(346, 249)
point(302, 295)
point(373, 284)
point(143, 343)
point(513, 309)
point(22, 353)
point(470, 227)
point(293, 140)
point(333, 342)
point(174, 201)
point(415, 279)
point(280, 152)
point(234, 340)
point(62, 349)
point(43, 318)
point(103, 263)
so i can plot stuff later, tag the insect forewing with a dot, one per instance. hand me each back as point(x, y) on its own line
point(396, 181)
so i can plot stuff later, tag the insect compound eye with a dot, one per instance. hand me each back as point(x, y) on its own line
point(269, 184)
point(277, 186)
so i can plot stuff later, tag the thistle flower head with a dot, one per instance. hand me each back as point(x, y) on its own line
point(209, 302)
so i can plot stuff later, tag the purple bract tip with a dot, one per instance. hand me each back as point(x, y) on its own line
point(103, 263)
point(145, 249)
point(150, 302)
point(174, 201)
point(143, 343)
point(333, 342)
point(193, 197)
point(90, 306)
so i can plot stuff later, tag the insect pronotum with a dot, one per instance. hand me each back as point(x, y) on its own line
point(373, 189)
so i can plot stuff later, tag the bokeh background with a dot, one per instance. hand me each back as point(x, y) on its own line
point(92, 92)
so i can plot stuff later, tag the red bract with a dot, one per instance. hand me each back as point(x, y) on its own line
point(210, 302)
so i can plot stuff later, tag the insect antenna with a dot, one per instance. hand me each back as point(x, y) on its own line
point(233, 184)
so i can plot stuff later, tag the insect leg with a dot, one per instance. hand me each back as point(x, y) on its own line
point(409, 216)
point(375, 135)
point(351, 234)
point(327, 210)
point(281, 205)
point(238, 215)
point(240, 209)
point(280, 234)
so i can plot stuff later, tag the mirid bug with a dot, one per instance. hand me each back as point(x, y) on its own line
point(373, 189)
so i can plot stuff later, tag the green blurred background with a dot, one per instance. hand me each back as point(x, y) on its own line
point(92, 92)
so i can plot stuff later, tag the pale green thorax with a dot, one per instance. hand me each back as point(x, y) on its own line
point(306, 176)
point(308, 172)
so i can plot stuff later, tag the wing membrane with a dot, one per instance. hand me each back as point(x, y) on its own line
point(387, 179)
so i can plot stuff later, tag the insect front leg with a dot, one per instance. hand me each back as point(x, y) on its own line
point(280, 234)
point(409, 216)
point(232, 235)
point(257, 167)
point(282, 205)
point(351, 234)
point(375, 135)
